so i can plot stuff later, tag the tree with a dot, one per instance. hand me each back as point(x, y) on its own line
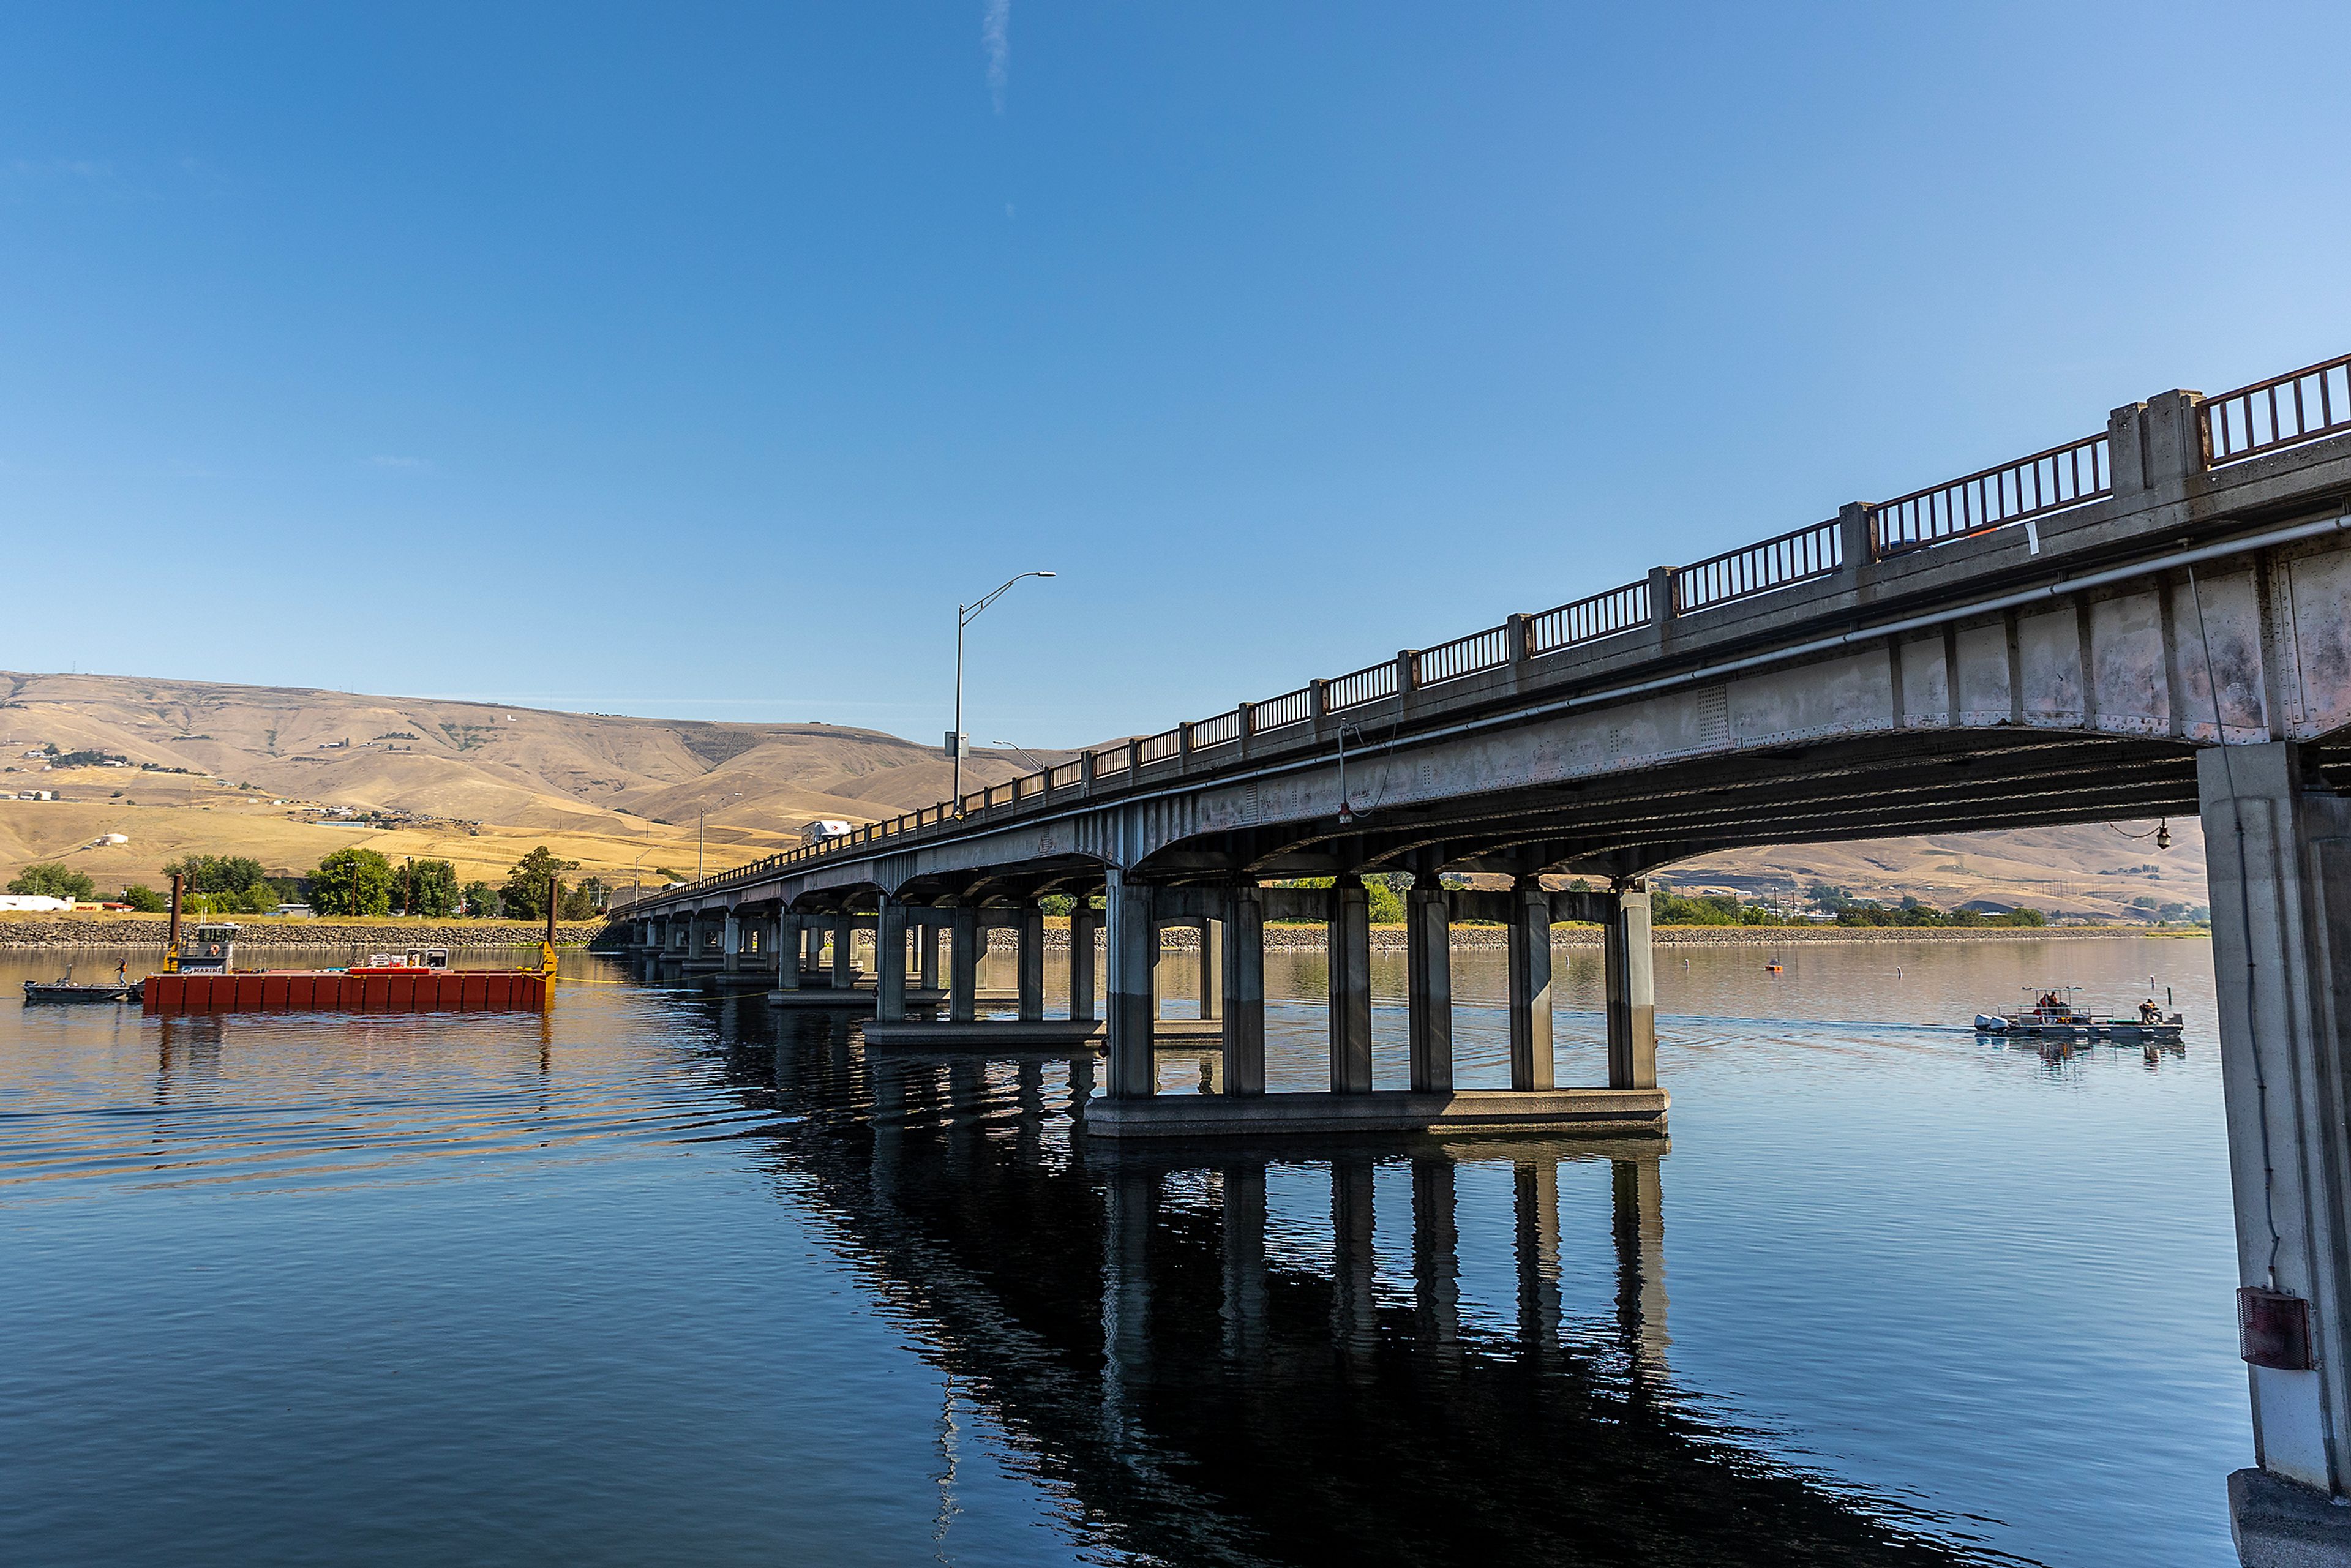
point(56, 881)
point(145, 899)
point(524, 897)
point(426, 887)
point(352, 881)
point(216, 873)
point(480, 900)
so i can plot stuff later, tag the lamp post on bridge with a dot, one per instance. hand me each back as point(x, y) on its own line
point(1040, 764)
point(965, 615)
point(701, 817)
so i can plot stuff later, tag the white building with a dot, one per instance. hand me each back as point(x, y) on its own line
point(33, 901)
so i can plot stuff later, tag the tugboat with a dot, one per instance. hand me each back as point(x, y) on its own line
point(2056, 1013)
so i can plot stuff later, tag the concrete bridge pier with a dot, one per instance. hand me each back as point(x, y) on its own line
point(1211, 969)
point(1031, 962)
point(1429, 985)
point(927, 956)
point(963, 966)
point(1529, 959)
point(1133, 943)
point(2278, 856)
point(789, 945)
point(1084, 923)
point(890, 963)
point(1632, 988)
point(1242, 934)
point(1349, 928)
point(844, 953)
point(730, 943)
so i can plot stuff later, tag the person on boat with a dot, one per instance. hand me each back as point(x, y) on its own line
point(2148, 1012)
point(2048, 1002)
point(122, 973)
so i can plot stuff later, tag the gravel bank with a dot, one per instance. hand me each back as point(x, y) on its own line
point(149, 930)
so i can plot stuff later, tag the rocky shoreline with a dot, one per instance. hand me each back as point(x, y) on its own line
point(341, 935)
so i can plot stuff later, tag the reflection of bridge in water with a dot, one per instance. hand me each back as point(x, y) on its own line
point(1212, 1393)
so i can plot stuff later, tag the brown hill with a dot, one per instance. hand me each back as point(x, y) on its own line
point(615, 793)
point(480, 784)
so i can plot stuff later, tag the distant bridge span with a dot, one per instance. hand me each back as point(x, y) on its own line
point(2151, 618)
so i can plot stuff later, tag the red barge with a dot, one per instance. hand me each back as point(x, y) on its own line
point(201, 976)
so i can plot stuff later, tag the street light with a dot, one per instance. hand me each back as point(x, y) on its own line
point(965, 615)
point(702, 815)
point(1034, 761)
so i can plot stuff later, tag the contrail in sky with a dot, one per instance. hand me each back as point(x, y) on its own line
point(996, 38)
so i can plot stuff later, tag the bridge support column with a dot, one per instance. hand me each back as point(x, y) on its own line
point(1428, 985)
point(962, 965)
point(1244, 985)
point(1133, 943)
point(1032, 963)
point(730, 945)
point(1084, 923)
point(1530, 1040)
point(787, 951)
point(927, 955)
point(844, 948)
point(2278, 856)
point(890, 963)
point(1632, 990)
point(1211, 975)
point(1350, 988)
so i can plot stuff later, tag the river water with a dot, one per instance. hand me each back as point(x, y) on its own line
point(661, 1278)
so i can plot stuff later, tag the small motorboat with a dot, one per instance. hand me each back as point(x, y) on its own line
point(68, 991)
point(2057, 1014)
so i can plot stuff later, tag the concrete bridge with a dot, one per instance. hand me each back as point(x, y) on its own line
point(2149, 619)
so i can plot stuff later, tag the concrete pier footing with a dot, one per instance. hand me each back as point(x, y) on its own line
point(1187, 1034)
point(1610, 1113)
point(2280, 1524)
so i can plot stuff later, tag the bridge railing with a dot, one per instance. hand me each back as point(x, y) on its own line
point(1222, 731)
point(1587, 619)
point(2283, 411)
point(1368, 685)
point(1795, 557)
point(1289, 709)
point(2046, 482)
point(1470, 656)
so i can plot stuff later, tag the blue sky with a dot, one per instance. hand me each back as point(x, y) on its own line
point(696, 360)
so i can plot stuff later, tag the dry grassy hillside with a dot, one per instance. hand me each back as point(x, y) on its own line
point(485, 783)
